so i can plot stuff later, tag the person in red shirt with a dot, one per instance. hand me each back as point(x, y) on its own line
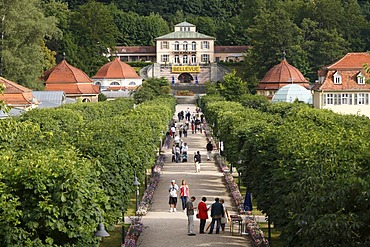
point(184, 193)
point(202, 214)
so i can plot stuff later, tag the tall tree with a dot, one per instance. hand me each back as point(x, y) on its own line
point(139, 30)
point(273, 33)
point(93, 31)
point(23, 28)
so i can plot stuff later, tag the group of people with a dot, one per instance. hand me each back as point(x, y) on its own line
point(219, 213)
point(180, 152)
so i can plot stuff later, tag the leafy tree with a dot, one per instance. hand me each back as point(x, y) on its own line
point(58, 194)
point(60, 11)
point(139, 30)
point(93, 31)
point(152, 88)
point(232, 32)
point(24, 27)
point(230, 85)
point(273, 33)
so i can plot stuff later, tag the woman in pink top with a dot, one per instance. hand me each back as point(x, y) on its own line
point(184, 194)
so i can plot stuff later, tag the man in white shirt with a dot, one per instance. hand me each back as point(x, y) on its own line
point(173, 189)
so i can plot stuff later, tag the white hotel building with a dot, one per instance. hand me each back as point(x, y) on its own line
point(184, 56)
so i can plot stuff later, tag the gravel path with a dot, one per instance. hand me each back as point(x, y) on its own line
point(162, 228)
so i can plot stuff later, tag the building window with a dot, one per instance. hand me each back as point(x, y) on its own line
point(194, 46)
point(185, 59)
point(360, 78)
point(205, 45)
point(185, 46)
point(337, 99)
point(346, 99)
point(361, 99)
point(205, 58)
point(132, 83)
point(164, 45)
point(164, 58)
point(193, 59)
point(328, 99)
point(337, 78)
point(98, 83)
point(115, 83)
point(176, 46)
point(177, 59)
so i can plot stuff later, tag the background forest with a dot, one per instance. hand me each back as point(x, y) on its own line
point(35, 33)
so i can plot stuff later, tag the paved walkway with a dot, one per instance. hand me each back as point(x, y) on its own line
point(162, 228)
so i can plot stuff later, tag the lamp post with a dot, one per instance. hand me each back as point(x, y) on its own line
point(123, 227)
point(136, 183)
point(101, 232)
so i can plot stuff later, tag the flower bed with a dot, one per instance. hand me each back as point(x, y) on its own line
point(231, 185)
point(255, 232)
point(133, 232)
point(136, 226)
point(147, 199)
point(185, 93)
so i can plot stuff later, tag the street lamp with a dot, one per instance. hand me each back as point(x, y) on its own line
point(136, 183)
point(101, 232)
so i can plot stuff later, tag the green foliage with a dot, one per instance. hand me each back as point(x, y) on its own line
point(86, 25)
point(229, 86)
point(24, 27)
point(152, 88)
point(255, 101)
point(60, 166)
point(139, 30)
point(102, 97)
point(312, 33)
point(307, 168)
point(58, 192)
point(139, 64)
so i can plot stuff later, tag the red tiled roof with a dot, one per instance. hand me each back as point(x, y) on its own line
point(354, 60)
point(232, 49)
point(65, 73)
point(76, 88)
point(116, 69)
point(135, 49)
point(348, 67)
point(349, 81)
point(284, 73)
point(15, 94)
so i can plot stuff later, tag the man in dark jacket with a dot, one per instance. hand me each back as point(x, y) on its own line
point(217, 212)
point(209, 148)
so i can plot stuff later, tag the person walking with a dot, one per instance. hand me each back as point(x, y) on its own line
point(209, 148)
point(177, 153)
point(173, 130)
point(173, 189)
point(184, 193)
point(197, 161)
point(202, 214)
point(184, 151)
point(190, 213)
point(217, 212)
point(225, 217)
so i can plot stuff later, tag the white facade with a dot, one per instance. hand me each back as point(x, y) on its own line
point(185, 46)
point(118, 84)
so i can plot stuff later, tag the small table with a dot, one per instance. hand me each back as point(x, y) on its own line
point(236, 219)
